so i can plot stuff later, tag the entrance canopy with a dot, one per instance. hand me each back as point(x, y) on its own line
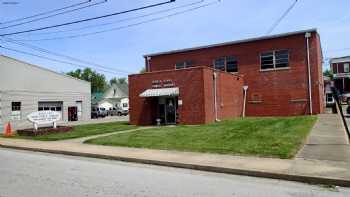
point(160, 92)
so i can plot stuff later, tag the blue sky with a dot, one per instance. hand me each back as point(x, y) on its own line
point(225, 21)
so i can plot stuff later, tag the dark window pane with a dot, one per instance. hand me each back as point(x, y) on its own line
point(53, 108)
point(58, 109)
point(188, 64)
point(219, 64)
point(231, 64)
point(282, 58)
point(180, 65)
point(266, 60)
point(46, 108)
point(40, 109)
point(16, 106)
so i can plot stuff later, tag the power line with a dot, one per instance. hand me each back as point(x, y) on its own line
point(45, 13)
point(54, 60)
point(53, 15)
point(64, 56)
point(121, 20)
point(274, 25)
point(89, 19)
point(121, 27)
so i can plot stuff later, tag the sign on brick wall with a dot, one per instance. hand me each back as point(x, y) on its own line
point(167, 83)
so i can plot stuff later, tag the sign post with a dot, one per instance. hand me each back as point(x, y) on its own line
point(44, 117)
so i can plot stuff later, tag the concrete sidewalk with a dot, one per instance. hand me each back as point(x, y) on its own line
point(328, 140)
point(304, 168)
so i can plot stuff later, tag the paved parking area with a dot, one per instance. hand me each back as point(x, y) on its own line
point(100, 120)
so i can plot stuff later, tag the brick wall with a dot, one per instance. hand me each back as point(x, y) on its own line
point(271, 93)
point(196, 93)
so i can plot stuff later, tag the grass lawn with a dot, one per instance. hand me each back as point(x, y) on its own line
point(83, 131)
point(271, 137)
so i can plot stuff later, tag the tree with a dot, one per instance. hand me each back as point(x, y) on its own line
point(328, 73)
point(143, 70)
point(115, 80)
point(97, 80)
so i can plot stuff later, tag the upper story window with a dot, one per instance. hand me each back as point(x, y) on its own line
point(182, 65)
point(346, 68)
point(274, 59)
point(228, 64)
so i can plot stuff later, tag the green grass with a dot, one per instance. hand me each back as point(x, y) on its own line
point(83, 131)
point(271, 137)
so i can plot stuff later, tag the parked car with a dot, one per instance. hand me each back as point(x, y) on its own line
point(345, 97)
point(348, 110)
point(122, 111)
point(97, 112)
point(112, 111)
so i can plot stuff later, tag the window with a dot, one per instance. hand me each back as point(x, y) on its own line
point(231, 64)
point(219, 64)
point(185, 64)
point(16, 106)
point(16, 111)
point(125, 105)
point(274, 59)
point(228, 64)
point(346, 67)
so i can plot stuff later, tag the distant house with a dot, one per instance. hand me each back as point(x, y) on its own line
point(115, 96)
point(341, 73)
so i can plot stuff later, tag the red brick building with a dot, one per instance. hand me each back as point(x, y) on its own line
point(283, 74)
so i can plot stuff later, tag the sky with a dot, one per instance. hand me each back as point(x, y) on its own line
point(123, 49)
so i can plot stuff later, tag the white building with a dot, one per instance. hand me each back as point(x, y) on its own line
point(26, 88)
point(116, 96)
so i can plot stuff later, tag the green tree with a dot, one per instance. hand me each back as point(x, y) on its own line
point(115, 80)
point(97, 80)
point(328, 73)
point(143, 70)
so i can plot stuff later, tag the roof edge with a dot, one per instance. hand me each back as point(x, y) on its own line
point(45, 69)
point(233, 42)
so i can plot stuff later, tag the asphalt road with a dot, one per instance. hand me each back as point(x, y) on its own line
point(29, 174)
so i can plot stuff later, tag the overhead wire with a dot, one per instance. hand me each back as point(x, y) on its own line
point(56, 60)
point(120, 27)
point(40, 49)
point(53, 15)
point(88, 19)
point(279, 20)
point(45, 13)
point(118, 21)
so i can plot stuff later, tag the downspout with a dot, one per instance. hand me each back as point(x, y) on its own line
point(307, 36)
point(215, 97)
point(148, 58)
point(245, 89)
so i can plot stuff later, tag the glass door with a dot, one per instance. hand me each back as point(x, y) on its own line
point(170, 111)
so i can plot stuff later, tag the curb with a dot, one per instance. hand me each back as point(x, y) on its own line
point(288, 177)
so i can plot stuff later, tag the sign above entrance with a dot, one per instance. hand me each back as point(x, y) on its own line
point(44, 117)
point(168, 83)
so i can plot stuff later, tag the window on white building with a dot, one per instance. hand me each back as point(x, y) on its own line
point(16, 110)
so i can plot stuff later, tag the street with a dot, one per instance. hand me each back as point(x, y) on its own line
point(37, 174)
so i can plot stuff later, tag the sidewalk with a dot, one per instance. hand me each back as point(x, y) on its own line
point(302, 169)
point(328, 140)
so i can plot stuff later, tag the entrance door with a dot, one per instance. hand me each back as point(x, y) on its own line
point(170, 111)
point(72, 114)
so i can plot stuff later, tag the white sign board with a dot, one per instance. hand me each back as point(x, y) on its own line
point(44, 117)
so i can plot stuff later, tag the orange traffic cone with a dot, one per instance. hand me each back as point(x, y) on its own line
point(8, 130)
